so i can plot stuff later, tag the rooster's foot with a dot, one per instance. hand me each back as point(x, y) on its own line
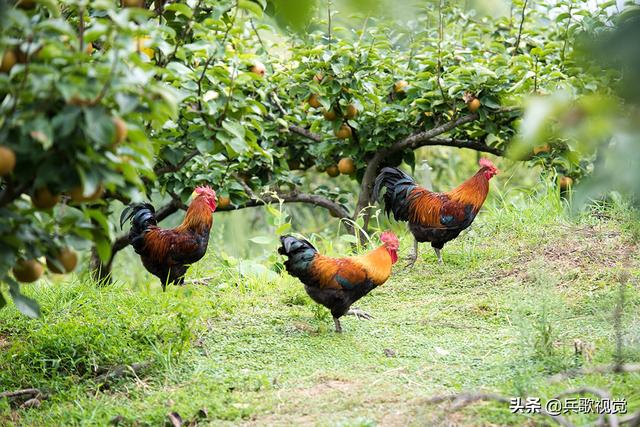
point(413, 256)
point(411, 259)
point(336, 321)
point(439, 255)
point(359, 314)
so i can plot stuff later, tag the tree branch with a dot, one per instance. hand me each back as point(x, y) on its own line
point(294, 197)
point(633, 420)
point(174, 168)
point(176, 204)
point(419, 137)
point(517, 45)
point(33, 392)
point(305, 132)
point(255, 31)
point(473, 144)
point(293, 128)
point(602, 394)
point(600, 369)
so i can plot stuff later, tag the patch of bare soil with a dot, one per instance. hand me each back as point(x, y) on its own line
point(335, 400)
point(293, 405)
point(588, 248)
point(4, 342)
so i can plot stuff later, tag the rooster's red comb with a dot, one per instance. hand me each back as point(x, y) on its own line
point(486, 163)
point(204, 189)
point(388, 237)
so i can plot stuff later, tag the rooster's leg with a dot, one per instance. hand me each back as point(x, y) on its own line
point(359, 314)
point(438, 254)
point(411, 259)
point(336, 321)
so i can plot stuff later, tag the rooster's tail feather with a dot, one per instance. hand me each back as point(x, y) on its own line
point(399, 186)
point(143, 216)
point(300, 254)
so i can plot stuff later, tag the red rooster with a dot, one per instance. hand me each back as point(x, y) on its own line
point(167, 253)
point(434, 217)
point(337, 283)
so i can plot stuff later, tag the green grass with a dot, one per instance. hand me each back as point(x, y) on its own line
point(502, 314)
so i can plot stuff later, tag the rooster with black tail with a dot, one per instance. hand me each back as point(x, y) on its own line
point(167, 253)
point(433, 217)
point(337, 283)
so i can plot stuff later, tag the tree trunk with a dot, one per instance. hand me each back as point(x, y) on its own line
point(100, 272)
point(366, 188)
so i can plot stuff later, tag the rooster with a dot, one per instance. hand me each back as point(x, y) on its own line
point(433, 217)
point(167, 253)
point(337, 283)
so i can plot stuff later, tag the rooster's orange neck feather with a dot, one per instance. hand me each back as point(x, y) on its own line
point(473, 191)
point(376, 263)
point(198, 217)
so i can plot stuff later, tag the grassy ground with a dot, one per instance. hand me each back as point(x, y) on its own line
point(524, 294)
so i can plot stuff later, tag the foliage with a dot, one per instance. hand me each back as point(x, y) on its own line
point(78, 69)
point(189, 84)
point(598, 123)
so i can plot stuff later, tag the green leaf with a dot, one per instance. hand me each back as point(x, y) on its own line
point(57, 26)
point(234, 128)
point(99, 126)
point(51, 6)
point(65, 122)
point(103, 246)
point(251, 7)
point(261, 240)
point(205, 145)
point(180, 8)
point(126, 103)
point(608, 4)
point(98, 217)
point(25, 305)
point(237, 143)
point(273, 211)
point(350, 238)
point(3, 302)
point(283, 228)
point(179, 68)
point(41, 130)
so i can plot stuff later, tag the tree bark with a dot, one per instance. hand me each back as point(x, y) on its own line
point(366, 187)
point(100, 271)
